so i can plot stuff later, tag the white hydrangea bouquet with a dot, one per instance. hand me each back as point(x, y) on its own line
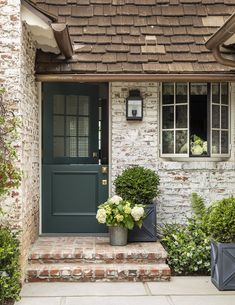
point(118, 212)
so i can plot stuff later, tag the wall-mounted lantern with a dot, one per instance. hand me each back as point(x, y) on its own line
point(134, 106)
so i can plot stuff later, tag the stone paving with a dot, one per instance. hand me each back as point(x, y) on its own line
point(179, 291)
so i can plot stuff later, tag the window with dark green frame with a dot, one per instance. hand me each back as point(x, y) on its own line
point(195, 119)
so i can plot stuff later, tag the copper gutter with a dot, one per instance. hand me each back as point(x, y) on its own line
point(61, 34)
point(219, 38)
point(135, 77)
point(60, 30)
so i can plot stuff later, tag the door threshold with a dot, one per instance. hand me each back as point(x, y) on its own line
point(74, 234)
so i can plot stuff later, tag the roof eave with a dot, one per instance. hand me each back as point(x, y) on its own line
point(44, 15)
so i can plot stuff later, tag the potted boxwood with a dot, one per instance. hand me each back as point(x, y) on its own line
point(120, 216)
point(221, 227)
point(140, 185)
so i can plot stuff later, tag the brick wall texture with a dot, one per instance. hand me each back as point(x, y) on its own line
point(17, 61)
point(137, 142)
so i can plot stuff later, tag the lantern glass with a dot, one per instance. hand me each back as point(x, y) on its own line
point(134, 109)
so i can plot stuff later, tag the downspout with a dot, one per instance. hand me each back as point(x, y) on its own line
point(220, 59)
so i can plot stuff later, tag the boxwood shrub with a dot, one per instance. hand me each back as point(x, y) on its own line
point(221, 220)
point(9, 267)
point(137, 184)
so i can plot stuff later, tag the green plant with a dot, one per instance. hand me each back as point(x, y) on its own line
point(221, 220)
point(188, 245)
point(118, 212)
point(198, 206)
point(10, 175)
point(137, 184)
point(9, 266)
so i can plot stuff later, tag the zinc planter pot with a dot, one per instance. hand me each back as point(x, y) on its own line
point(118, 236)
point(223, 265)
point(148, 230)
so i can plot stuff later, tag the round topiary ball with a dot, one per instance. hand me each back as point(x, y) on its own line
point(221, 220)
point(137, 184)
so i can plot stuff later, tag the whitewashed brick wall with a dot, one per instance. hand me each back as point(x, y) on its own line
point(138, 143)
point(17, 59)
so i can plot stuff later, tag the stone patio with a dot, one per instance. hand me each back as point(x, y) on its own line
point(93, 259)
point(182, 290)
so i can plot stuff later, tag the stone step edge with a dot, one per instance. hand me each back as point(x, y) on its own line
point(102, 272)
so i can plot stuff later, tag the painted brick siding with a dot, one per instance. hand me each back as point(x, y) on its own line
point(17, 54)
point(138, 143)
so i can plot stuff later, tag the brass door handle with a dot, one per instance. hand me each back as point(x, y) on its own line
point(94, 154)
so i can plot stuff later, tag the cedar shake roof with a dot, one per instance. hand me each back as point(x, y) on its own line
point(137, 36)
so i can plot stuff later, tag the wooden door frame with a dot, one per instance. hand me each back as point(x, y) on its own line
point(40, 120)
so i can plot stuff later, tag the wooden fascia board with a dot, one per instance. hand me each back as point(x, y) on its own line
point(227, 77)
point(62, 37)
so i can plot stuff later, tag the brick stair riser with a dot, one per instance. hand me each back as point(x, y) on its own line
point(97, 261)
point(48, 258)
point(79, 275)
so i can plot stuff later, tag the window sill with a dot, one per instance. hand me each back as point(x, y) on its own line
point(195, 159)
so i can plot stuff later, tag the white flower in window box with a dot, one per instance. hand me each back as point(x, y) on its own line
point(198, 146)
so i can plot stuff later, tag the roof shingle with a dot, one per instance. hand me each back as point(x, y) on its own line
point(137, 36)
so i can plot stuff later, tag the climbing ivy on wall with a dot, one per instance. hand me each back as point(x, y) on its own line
point(10, 175)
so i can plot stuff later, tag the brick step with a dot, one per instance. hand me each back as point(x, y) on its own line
point(100, 258)
point(46, 251)
point(97, 272)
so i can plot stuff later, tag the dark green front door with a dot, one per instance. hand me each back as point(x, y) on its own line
point(74, 174)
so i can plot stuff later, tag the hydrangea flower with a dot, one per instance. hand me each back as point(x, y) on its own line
point(137, 213)
point(101, 216)
point(115, 199)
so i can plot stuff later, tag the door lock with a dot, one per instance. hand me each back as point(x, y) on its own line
point(104, 170)
point(104, 182)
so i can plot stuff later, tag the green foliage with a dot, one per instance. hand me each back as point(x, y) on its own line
point(118, 212)
point(188, 248)
point(221, 220)
point(198, 205)
point(9, 266)
point(137, 184)
point(10, 176)
point(188, 245)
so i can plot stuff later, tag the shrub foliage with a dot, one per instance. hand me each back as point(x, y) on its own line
point(137, 184)
point(10, 177)
point(9, 266)
point(188, 245)
point(221, 220)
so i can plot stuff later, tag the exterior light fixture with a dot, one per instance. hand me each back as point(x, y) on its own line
point(134, 106)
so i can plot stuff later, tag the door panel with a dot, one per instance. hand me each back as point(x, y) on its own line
point(72, 177)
